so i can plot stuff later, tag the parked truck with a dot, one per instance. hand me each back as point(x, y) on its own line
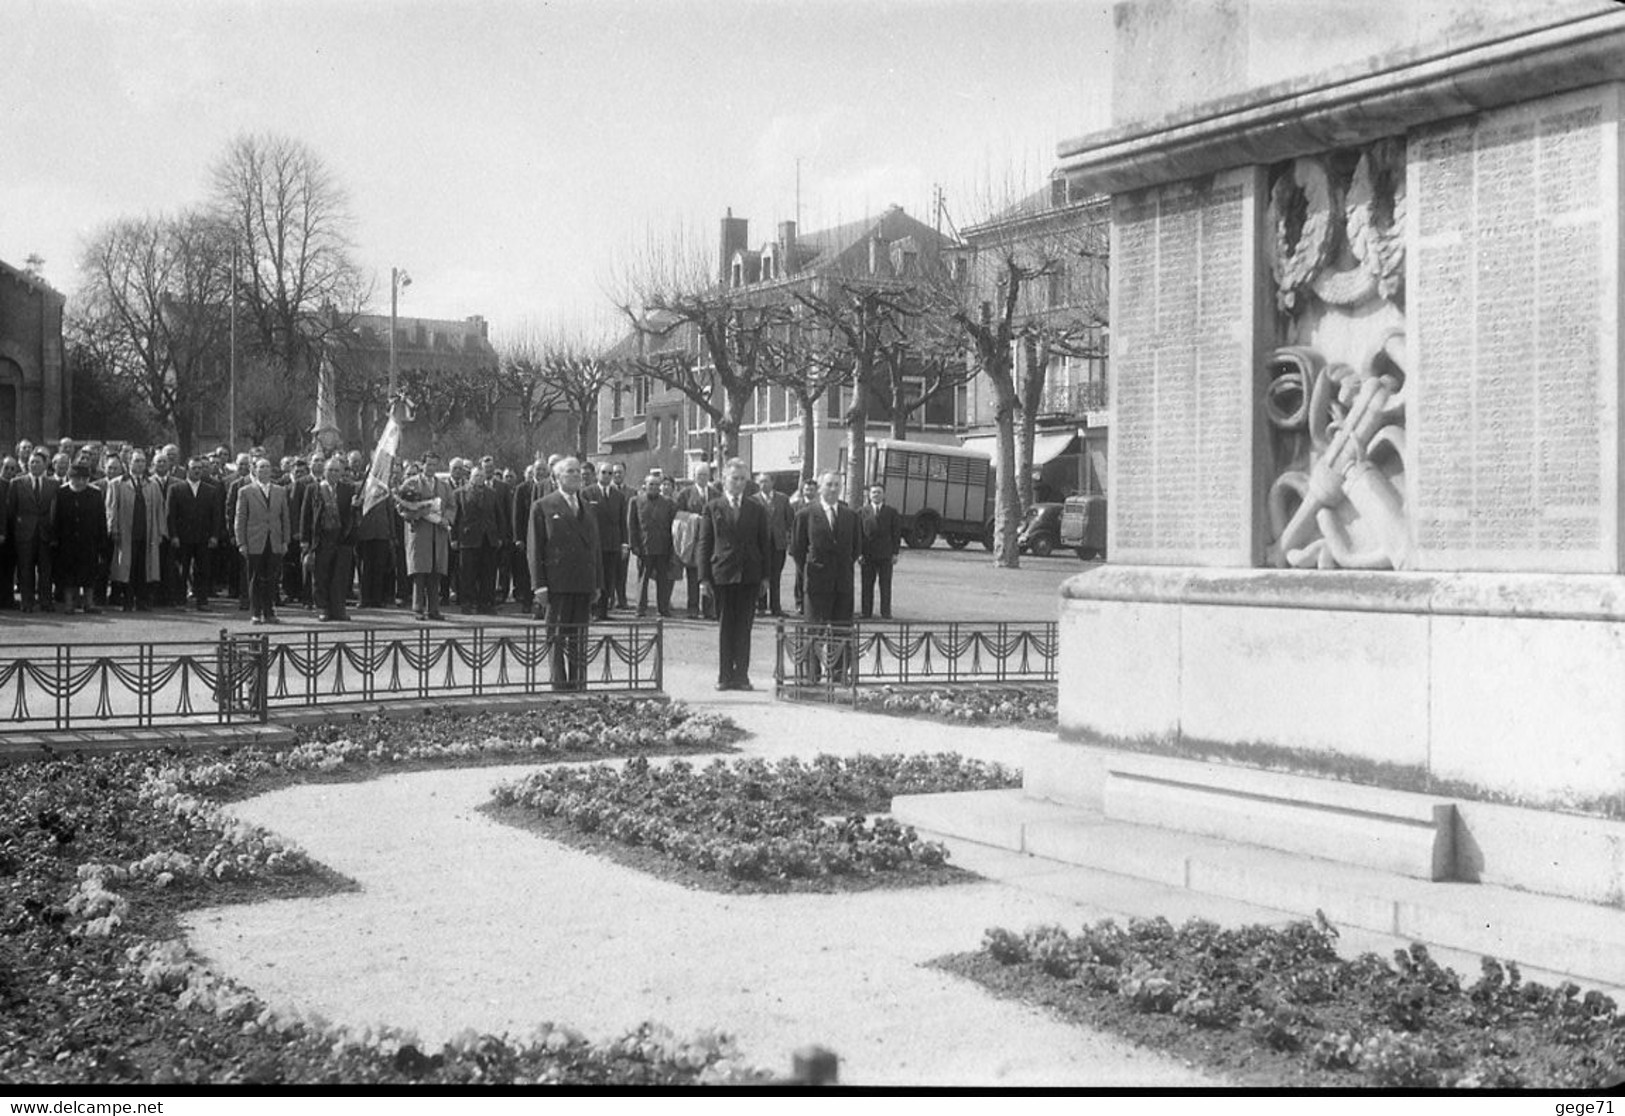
point(941, 491)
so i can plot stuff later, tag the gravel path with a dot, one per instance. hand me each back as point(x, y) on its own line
point(462, 922)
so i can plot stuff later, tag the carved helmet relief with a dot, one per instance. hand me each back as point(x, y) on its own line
point(1335, 393)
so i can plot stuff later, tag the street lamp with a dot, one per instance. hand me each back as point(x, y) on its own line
point(397, 280)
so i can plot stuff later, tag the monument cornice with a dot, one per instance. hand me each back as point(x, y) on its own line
point(1300, 118)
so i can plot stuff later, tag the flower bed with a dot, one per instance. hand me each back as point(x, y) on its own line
point(589, 728)
point(99, 854)
point(1027, 706)
point(755, 823)
point(1279, 1007)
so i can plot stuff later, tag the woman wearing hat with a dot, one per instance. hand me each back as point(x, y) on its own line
point(81, 525)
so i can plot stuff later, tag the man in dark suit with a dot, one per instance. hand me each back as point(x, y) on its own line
point(694, 500)
point(476, 534)
point(566, 572)
point(781, 523)
point(805, 496)
point(881, 526)
point(263, 530)
point(299, 483)
point(195, 529)
point(825, 545)
point(732, 556)
point(617, 481)
point(501, 557)
point(8, 550)
point(525, 495)
point(648, 533)
point(327, 529)
point(171, 589)
point(30, 519)
point(608, 504)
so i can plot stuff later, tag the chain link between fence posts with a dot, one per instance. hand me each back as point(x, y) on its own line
point(831, 662)
point(242, 678)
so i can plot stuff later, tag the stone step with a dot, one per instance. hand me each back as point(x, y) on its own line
point(1582, 940)
point(1376, 837)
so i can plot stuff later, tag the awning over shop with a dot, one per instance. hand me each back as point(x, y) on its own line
point(634, 433)
point(1047, 445)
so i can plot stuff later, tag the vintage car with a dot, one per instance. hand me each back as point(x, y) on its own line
point(1040, 530)
point(1083, 526)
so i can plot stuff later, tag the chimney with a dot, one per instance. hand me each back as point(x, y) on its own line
point(479, 323)
point(787, 246)
point(735, 238)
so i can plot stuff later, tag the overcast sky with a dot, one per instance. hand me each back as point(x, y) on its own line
point(507, 153)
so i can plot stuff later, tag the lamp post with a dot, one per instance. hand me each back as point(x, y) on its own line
point(397, 279)
point(231, 393)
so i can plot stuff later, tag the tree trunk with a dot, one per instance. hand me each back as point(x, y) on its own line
point(183, 433)
point(1034, 357)
point(809, 437)
point(857, 448)
point(1007, 498)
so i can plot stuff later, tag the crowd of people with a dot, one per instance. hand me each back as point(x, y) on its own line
point(89, 527)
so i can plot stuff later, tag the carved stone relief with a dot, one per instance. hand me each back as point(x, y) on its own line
point(1335, 393)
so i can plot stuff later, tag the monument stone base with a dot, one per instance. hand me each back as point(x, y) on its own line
point(1504, 684)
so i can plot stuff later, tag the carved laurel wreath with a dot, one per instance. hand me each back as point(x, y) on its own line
point(1371, 216)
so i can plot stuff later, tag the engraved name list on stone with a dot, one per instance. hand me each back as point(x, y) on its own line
point(1181, 351)
point(1514, 294)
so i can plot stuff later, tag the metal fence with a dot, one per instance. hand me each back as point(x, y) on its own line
point(822, 662)
point(242, 678)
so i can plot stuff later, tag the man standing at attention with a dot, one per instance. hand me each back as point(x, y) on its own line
point(195, 527)
point(882, 529)
point(648, 530)
point(477, 533)
point(566, 572)
point(694, 500)
point(262, 532)
point(30, 519)
point(608, 505)
point(826, 545)
point(781, 522)
point(328, 530)
point(732, 557)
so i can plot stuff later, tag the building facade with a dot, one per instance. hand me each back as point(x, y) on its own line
point(646, 424)
point(35, 393)
point(1064, 311)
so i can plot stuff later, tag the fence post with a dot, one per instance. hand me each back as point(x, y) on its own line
point(262, 679)
point(222, 672)
point(660, 656)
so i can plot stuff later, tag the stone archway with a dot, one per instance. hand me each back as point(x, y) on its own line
point(11, 401)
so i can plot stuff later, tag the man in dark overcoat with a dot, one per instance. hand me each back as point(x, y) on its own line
point(608, 504)
point(882, 528)
point(195, 529)
point(825, 545)
point(732, 557)
point(648, 533)
point(566, 573)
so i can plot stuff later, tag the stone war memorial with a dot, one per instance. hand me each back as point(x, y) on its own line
point(1365, 603)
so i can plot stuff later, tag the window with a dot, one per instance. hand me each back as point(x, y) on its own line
point(836, 411)
point(616, 404)
point(654, 433)
point(1060, 287)
point(671, 431)
point(761, 405)
point(642, 389)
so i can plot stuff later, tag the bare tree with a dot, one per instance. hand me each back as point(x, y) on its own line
point(1011, 302)
point(154, 310)
point(290, 223)
point(916, 372)
point(671, 296)
point(559, 371)
point(806, 360)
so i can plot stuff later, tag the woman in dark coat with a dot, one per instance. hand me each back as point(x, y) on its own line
point(81, 529)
